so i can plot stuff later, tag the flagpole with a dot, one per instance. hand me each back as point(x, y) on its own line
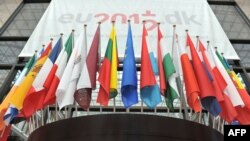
point(127, 109)
point(48, 119)
point(197, 48)
point(208, 44)
point(56, 112)
point(197, 43)
point(219, 122)
point(143, 22)
point(29, 125)
point(174, 30)
point(183, 103)
point(114, 101)
point(99, 56)
point(3, 131)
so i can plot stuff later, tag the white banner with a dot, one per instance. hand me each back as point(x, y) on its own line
point(195, 15)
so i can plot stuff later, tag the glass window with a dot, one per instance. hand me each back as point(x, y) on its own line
point(245, 6)
point(7, 8)
point(3, 75)
point(9, 51)
point(26, 20)
point(231, 21)
point(243, 51)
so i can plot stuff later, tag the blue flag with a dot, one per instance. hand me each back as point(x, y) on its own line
point(129, 77)
point(10, 114)
point(56, 51)
point(151, 96)
point(153, 63)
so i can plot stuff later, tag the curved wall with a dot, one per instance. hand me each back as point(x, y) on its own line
point(125, 127)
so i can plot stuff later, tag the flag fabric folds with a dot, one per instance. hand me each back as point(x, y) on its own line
point(162, 79)
point(57, 72)
point(207, 93)
point(108, 71)
point(34, 99)
point(150, 91)
point(18, 98)
point(129, 76)
point(87, 80)
point(6, 102)
point(230, 89)
point(169, 73)
point(228, 112)
point(10, 114)
point(243, 112)
point(191, 84)
point(16, 101)
point(67, 86)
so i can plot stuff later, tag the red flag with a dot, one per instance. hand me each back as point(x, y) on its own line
point(57, 69)
point(146, 69)
point(228, 112)
point(163, 85)
point(191, 85)
point(207, 94)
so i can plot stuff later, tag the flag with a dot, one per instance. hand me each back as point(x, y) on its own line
point(16, 101)
point(162, 80)
point(243, 112)
point(230, 90)
point(108, 72)
point(150, 91)
point(207, 93)
point(238, 84)
point(10, 114)
point(228, 112)
point(129, 76)
point(58, 69)
point(169, 73)
point(5, 104)
point(154, 63)
point(87, 80)
point(5, 133)
point(49, 79)
point(191, 84)
point(67, 86)
point(18, 98)
point(34, 99)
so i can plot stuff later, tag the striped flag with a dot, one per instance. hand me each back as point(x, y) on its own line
point(169, 73)
point(230, 90)
point(108, 71)
point(67, 85)
point(18, 98)
point(228, 111)
point(57, 71)
point(16, 101)
point(207, 93)
point(37, 91)
point(5, 104)
point(243, 112)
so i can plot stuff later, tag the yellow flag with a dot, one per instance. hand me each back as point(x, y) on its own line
point(19, 95)
point(114, 62)
point(236, 80)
